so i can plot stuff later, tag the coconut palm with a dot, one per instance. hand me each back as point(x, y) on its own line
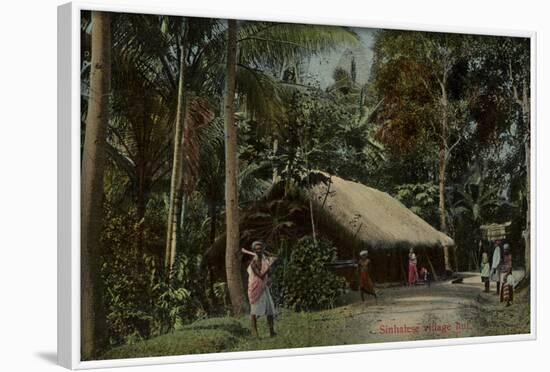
point(259, 45)
point(93, 162)
point(232, 257)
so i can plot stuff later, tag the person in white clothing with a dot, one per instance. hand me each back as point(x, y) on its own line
point(485, 270)
point(261, 302)
point(496, 262)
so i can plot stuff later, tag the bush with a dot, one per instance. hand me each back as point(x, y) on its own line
point(139, 302)
point(303, 282)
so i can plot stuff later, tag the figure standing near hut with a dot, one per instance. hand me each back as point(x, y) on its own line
point(424, 275)
point(505, 273)
point(495, 266)
point(507, 292)
point(413, 271)
point(485, 271)
point(366, 285)
point(259, 295)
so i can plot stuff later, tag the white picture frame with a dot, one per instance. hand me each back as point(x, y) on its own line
point(69, 186)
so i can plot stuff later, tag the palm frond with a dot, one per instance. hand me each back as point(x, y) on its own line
point(198, 115)
point(262, 43)
point(262, 94)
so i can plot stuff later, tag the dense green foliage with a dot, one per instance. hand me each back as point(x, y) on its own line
point(303, 281)
point(140, 303)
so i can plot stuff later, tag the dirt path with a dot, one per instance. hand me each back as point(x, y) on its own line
point(441, 310)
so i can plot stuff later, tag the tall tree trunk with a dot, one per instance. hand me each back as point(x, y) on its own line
point(443, 154)
point(232, 252)
point(176, 218)
point(176, 182)
point(310, 197)
point(93, 322)
point(275, 177)
point(442, 206)
point(527, 147)
point(312, 218)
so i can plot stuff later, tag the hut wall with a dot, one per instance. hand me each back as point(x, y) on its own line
point(391, 265)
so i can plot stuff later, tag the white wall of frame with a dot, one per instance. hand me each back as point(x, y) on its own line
point(28, 168)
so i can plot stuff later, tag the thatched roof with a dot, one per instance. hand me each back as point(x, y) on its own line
point(376, 218)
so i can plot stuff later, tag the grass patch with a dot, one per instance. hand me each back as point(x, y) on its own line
point(231, 325)
point(294, 330)
point(205, 336)
point(299, 329)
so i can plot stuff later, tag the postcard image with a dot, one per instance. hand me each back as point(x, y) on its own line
point(252, 185)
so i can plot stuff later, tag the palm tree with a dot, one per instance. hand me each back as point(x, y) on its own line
point(176, 181)
point(192, 112)
point(93, 162)
point(260, 44)
point(232, 252)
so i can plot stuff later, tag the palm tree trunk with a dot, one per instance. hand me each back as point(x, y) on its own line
point(176, 182)
point(93, 322)
point(232, 252)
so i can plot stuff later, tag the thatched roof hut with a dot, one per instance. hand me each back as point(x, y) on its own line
point(375, 217)
point(354, 217)
point(374, 220)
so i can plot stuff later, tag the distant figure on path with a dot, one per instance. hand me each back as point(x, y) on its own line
point(261, 302)
point(495, 266)
point(413, 271)
point(485, 271)
point(505, 267)
point(507, 292)
point(366, 284)
point(424, 275)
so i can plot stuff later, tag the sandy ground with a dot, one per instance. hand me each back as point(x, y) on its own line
point(442, 310)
